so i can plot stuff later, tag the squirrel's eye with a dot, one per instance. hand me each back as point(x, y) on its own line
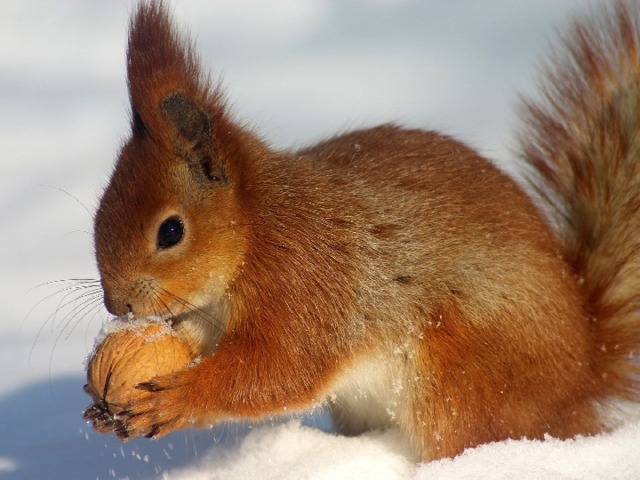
point(170, 232)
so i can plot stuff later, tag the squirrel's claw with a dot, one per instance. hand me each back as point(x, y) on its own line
point(156, 411)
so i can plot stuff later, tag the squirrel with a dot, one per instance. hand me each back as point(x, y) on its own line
point(392, 274)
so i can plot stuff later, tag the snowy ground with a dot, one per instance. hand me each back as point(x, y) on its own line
point(297, 70)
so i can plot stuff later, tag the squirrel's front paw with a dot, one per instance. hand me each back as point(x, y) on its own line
point(159, 407)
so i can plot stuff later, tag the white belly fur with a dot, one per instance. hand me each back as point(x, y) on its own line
point(368, 395)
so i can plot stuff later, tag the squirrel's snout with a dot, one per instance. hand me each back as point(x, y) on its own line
point(141, 297)
point(116, 306)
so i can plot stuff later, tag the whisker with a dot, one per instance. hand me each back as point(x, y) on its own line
point(65, 302)
point(207, 318)
point(72, 232)
point(69, 285)
point(70, 195)
point(72, 320)
point(77, 299)
point(159, 306)
point(88, 303)
point(90, 341)
point(61, 334)
point(191, 307)
point(62, 304)
point(71, 281)
point(166, 308)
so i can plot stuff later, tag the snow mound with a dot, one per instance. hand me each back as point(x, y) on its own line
point(294, 451)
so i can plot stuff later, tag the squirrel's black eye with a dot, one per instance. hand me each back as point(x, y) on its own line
point(170, 232)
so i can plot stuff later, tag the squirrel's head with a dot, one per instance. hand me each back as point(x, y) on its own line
point(169, 231)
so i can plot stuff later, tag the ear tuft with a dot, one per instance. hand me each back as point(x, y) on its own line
point(191, 122)
point(165, 79)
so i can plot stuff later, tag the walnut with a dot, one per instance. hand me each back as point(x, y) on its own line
point(126, 358)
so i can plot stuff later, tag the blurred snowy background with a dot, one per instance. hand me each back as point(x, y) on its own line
point(296, 70)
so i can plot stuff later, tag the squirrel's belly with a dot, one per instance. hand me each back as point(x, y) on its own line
point(370, 394)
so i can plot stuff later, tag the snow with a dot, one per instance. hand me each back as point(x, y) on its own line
point(604, 456)
point(294, 451)
point(296, 70)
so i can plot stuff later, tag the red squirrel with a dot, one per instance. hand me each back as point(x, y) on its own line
point(391, 274)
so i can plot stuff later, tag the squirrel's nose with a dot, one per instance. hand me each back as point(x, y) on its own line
point(116, 307)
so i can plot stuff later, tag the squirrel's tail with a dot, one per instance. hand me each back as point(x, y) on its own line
point(581, 147)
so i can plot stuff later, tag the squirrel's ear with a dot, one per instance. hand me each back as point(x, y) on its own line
point(171, 99)
point(191, 122)
point(165, 79)
point(194, 127)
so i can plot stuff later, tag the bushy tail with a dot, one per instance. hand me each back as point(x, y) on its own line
point(581, 147)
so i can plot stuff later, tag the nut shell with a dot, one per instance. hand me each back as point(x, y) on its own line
point(127, 358)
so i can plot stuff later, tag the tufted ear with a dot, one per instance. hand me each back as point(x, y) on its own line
point(172, 101)
point(163, 72)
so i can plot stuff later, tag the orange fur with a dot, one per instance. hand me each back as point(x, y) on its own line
point(394, 272)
